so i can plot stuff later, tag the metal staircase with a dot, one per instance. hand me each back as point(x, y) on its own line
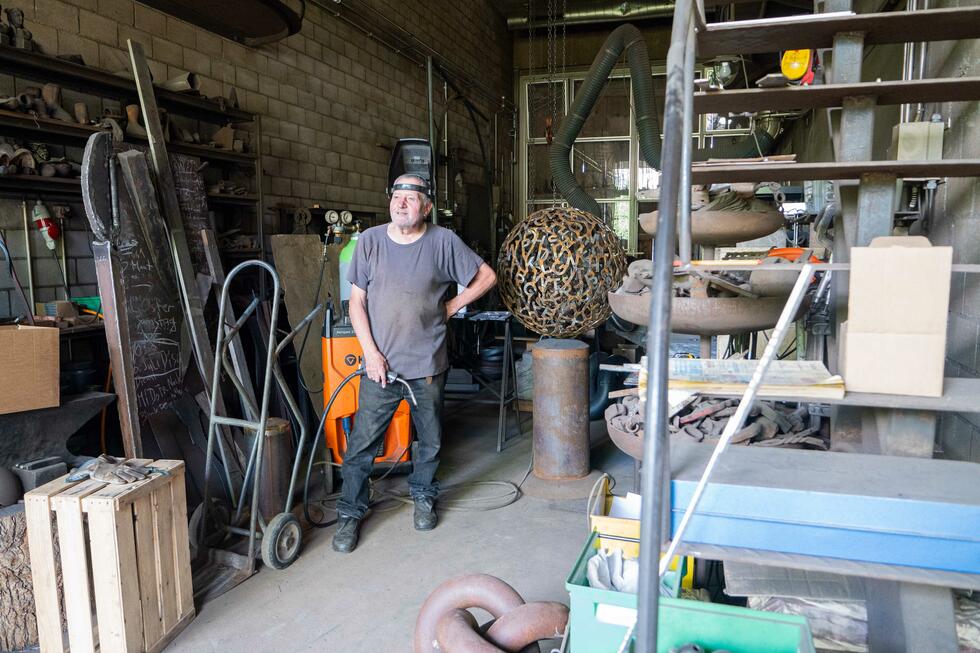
point(832, 501)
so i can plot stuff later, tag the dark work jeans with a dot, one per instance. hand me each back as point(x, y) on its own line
point(375, 408)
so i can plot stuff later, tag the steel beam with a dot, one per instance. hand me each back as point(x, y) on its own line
point(886, 510)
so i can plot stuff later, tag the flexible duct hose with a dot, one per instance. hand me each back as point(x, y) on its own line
point(629, 38)
point(625, 37)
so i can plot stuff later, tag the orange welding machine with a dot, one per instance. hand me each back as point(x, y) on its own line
point(342, 354)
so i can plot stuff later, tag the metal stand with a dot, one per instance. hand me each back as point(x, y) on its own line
point(504, 392)
point(282, 534)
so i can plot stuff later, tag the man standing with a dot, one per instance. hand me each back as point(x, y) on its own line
point(400, 273)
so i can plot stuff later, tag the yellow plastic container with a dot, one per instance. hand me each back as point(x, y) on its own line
point(620, 533)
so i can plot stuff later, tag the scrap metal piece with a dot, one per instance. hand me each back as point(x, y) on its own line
point(561, 409)
point(555, 268)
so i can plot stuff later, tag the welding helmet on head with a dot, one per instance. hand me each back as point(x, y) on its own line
point(412, 156)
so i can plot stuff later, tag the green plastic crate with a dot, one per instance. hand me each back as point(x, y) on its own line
point(599, 619)
point(91, 303)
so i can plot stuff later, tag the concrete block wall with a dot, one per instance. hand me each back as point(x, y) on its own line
point(957, 223)
point(332, 101)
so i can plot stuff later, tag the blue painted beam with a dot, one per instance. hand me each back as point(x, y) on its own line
point(912, 512)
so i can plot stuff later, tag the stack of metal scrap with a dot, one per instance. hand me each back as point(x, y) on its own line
point(770, 424)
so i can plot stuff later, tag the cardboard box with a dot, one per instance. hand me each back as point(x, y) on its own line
point(29, 367)
point(894, 340)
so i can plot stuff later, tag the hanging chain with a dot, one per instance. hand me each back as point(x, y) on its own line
point(552, 69)
point(528, 186)
point(564, 22)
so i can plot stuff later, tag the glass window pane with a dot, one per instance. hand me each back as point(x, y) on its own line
point(603, 168)
point(538, 172)
point(540, 107)
point(611, 114)
point(719, 122)
point(617, 216)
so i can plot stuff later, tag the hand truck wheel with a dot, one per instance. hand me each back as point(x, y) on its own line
point(281, 541)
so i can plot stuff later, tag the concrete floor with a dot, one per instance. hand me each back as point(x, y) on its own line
point(368, 600)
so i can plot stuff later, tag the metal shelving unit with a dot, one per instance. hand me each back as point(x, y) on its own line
point(759, 503)
point(43, 68)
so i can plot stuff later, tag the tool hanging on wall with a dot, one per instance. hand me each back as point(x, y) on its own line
point(797, 66)
point(51, 231)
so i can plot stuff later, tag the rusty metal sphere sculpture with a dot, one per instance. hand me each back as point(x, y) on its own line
point(555, 268)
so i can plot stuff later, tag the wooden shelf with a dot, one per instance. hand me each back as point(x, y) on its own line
point(33, 186)
point(241, 253)
point(959, 396)
point(225, 198)
point(832, 95)
point(818, 30)
point(47, 69)
point(833, 170)
point(69, 133)
point(47, 129)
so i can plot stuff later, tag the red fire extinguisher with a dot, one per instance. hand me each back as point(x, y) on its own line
point(48, 227)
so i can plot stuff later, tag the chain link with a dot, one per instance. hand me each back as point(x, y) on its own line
point(556, 269)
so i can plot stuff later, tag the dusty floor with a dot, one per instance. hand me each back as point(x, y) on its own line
point(368, 600)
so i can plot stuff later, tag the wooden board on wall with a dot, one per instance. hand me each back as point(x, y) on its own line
point(297, 259)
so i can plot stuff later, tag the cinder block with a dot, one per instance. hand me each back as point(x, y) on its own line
point(57, 14)
point(180, 32)
point(288, 94)
point(97, 27)
point(288, 168)
point(208, 43)
point(962, 341)
point(281, 186)
point(300, 151)
point(149, 20)
point(306, 100)
point(168, 52)
point(5, 304)
point(301, 188)
point(69, 43)
point(277, 108)
point(295, 113)
point(77, 244)
point(47, 272)
point(85, 271)
point(279, 147)
point(120, 11)
point(268, 86)
point(197, 62)
point(307, 172)
point(246, 78)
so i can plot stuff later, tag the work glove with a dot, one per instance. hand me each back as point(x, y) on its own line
point(110, 470)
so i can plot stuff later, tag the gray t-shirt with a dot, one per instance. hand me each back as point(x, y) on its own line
point(405, 285)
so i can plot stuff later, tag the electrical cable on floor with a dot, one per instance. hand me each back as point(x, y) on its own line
point(451, 505)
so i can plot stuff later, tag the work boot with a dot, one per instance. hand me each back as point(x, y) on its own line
point(425, 513)
point(345, 539)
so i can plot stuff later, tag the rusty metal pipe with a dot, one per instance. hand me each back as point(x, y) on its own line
point(528, 624)
point(471, 591)
point(457, 632)
point(561, 409)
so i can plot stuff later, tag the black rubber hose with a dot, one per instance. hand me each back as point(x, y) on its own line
point(309, 464)
point(629, 38)
point(602, 382)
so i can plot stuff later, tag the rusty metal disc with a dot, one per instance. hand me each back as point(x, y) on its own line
point(556, 268)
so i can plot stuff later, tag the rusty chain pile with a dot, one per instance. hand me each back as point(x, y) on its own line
point(555, 268)
point(445, 624)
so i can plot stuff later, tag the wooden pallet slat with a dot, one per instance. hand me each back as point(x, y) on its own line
point(165, 559)
point(153, 627)
point(73, 546)
point(123, 549)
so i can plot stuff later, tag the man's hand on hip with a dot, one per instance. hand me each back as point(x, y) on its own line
point(376, 367)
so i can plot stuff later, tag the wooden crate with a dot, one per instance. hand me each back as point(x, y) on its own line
point(124, 550)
